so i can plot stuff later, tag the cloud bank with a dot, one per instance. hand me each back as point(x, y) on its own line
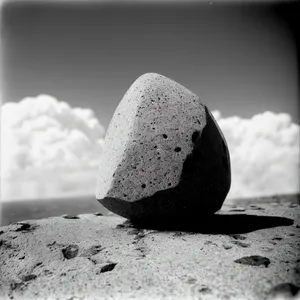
point(264, 153)
point(50, 149)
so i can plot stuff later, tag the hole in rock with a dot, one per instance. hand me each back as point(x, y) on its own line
point(29, 277)
point(108, 267)
point(195, 136)
point(177, 149)
point(143, 185)
point(165, 136)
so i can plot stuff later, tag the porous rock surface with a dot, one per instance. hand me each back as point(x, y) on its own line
point(164, 154)
point(251, 254)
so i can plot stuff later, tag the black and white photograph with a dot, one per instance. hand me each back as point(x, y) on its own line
point(149, 149)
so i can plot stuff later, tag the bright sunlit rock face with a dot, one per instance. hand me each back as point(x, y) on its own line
point(48, 148)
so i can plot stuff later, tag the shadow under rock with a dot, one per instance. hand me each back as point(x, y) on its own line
point(215, 224)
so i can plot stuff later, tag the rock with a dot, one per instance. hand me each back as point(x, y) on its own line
point(70, 251)
point(283, 291)
point(107, 268)
point(254, 260)
point(241, 244)
point(238, 236)
point(71, 217)
point(164, 154)
point(227, 246)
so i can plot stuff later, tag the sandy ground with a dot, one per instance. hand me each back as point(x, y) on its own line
point(242, 252)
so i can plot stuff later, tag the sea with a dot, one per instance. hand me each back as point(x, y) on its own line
point(16, 211)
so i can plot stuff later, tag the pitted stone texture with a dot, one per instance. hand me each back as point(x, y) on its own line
point(156, 116)
point(164, 154)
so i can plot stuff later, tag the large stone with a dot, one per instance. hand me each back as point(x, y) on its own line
point(164, 154)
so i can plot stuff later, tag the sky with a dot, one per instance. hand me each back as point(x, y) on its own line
point(240, 58)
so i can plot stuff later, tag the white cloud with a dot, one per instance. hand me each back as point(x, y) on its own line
point(264, 154)
point(48, 149)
